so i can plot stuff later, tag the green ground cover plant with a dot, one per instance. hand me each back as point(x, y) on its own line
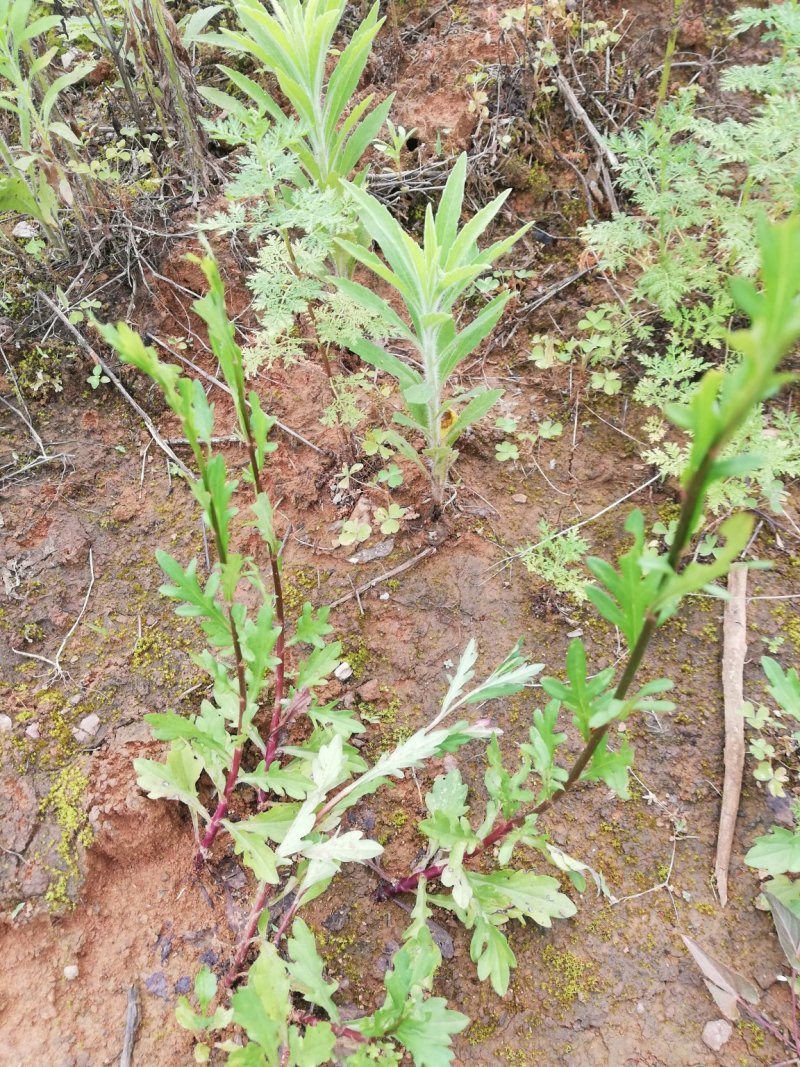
point(697, 186)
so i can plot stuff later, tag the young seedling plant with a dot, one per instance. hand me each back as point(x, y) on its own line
point(296, 844)
point(295, 43)
point(429, 280)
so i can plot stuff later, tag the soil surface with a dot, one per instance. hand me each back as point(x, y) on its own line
point(96, 885)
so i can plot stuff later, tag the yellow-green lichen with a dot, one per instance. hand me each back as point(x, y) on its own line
point(65, 803)
point(569, 978)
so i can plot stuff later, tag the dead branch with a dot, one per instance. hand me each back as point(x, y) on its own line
point(159, 440)
point(733, 654)
point(132, 1020)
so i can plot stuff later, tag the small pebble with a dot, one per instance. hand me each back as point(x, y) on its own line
point(33, 731)
point(71, 972)
point(343, 671)
point(369, 692)
point(90, 724)
point(6, 724)
point(519, 498)
point(24, 229)
point(717, 1033)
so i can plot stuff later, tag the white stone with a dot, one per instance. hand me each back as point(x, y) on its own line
point(33, 731)
point(6, 724)
point(343, 671)
point(717, 1033)
point(71, 972)
point(90, 724)
point(24, 229)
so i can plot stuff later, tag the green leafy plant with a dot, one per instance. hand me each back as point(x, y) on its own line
point(34, 180)
point(287, 1010)
point(389, 518)
point(294, 43)
point(775, 735)
point(637, 597)
point(699, 186)
point(353, 532)
point(557, 559)
point(394, 147)
point(296, 842)
point(430, 279)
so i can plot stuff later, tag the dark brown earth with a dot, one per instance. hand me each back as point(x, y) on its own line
point(614, 986)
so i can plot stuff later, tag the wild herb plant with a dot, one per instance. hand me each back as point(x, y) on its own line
point(270, 1008)
point(430, 279)
point(165, 69)
point(34, 180)
point(698, 187)
point(288, 194)
point(393, 148)
point(773, 744)
point(294, 43)
point(295, 843)
point(556, 559)
point(640, 595)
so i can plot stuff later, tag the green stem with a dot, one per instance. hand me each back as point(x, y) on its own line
point(666, 70)
point(692, 496)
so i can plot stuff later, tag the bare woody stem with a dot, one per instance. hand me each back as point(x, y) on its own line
point(306, 1019)
point(277, 585)
point(683, 533)
point(247, 936)
point(233, 771)
point(250, 930)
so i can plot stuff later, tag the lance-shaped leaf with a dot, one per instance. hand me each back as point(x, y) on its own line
point(725, 985)
point(787, 926)
point(306, 970)
point(585, 697)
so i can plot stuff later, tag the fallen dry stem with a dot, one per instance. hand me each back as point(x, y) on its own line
point(733, 656)
point(159, 440)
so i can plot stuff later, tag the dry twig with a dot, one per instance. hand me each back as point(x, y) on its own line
point(159, 440)
point(733, 654)
point(132, 1020)
point(56, 663)
point(409, 563)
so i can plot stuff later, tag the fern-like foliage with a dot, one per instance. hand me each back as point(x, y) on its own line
point(699, 187)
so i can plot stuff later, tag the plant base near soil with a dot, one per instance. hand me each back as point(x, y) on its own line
point(606, 962)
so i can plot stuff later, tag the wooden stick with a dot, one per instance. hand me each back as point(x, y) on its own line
point(733, 655)
point(579, 112)
point(132, 1020)
point(409, 563)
